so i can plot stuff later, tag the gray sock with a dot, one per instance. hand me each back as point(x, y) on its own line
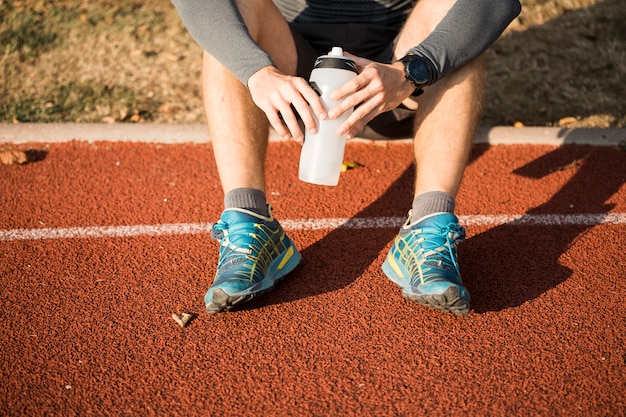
point(430, 203)
point(247, 198)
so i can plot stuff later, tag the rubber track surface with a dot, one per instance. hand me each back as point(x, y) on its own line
point(87, 328)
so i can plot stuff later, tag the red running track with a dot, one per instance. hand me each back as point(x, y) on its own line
point(86, 321)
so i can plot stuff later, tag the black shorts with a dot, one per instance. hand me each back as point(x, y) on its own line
point(364, 40)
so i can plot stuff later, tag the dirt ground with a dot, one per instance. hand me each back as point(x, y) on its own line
point(561, 63)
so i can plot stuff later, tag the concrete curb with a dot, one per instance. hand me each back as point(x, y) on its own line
point(197, 133)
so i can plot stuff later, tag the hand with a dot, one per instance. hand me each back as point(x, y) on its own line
point(275, 93)
point(378, 88)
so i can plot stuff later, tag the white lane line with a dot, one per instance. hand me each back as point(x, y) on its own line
point(312, 224)
point(106, 231)
point(544, 219)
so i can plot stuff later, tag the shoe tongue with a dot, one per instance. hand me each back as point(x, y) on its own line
point(232, 216)
point(435, 224)
point(240, 226)
point(434, 220)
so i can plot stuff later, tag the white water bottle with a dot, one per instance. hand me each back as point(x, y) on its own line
point(322, 153)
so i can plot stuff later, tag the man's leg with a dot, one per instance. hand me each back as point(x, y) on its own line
point(238, 128)
point(423, 258)
point(448, 111)
point(254, 250)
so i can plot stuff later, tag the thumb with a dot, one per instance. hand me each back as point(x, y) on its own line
point(360, 62)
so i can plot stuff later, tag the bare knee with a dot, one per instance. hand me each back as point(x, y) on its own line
point(459, 91)
point(470, 78)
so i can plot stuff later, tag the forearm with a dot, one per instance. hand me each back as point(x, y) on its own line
point(469, 28)
point(219, 29)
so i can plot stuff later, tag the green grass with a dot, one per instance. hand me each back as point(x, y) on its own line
point(29, 30)
point(25, 32)
point(71, 101)
point(88, 61)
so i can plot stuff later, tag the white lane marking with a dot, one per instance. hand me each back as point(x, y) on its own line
point(106, 231)
point(544, 219)
point(312, 224)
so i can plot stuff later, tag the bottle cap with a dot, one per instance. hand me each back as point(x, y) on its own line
point(335, 59)
point(336, 51)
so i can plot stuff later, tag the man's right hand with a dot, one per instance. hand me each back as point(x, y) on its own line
point(275, 93)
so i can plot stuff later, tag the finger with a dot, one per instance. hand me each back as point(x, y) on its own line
point(361, 63)
point(358, 119)
point(277, 124)
point(348, 88)
point(292, 122)
point(352, 130)
point(348, 103)
point(304, 111)
point(307, 103)
point(313, 100)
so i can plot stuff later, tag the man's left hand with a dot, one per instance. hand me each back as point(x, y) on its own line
point(377, 89)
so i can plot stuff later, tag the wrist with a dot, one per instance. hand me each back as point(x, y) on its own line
point(406, 83)
point(418, 70)
point(260, 74)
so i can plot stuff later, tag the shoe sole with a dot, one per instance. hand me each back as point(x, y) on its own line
point(224, 302)
point(221, 301)
point(450, 301)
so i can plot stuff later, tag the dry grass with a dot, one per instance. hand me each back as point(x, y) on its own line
point(562, 62)
point(122, 61)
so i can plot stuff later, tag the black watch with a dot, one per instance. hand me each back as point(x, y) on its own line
point(417, 71)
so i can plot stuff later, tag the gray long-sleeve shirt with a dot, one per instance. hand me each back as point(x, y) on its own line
point(469, 28)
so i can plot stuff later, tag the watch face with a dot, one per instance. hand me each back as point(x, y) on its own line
point(417, 70)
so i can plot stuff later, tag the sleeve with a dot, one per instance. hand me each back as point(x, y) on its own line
point(467, 31)
point(219, 29)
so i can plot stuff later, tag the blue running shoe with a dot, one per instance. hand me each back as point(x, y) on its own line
point(423, 262)
point(255, 253)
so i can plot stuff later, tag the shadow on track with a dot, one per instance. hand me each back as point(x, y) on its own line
point(343, 255)
point(510, 264)
point(503, 267)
